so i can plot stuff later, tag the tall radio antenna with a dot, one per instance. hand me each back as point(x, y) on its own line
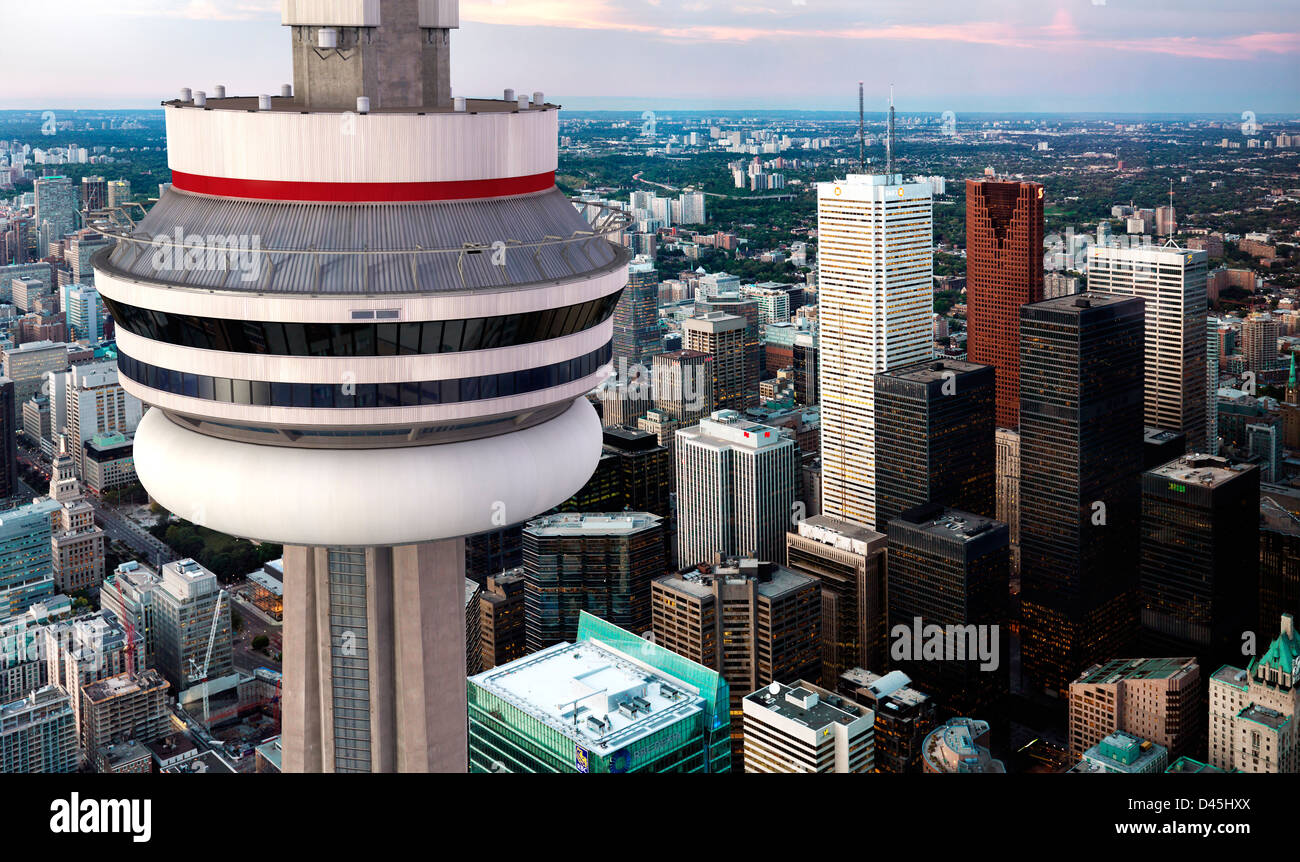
point(862, 133)
point(889, 137)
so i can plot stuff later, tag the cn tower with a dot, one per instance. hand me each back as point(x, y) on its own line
point(364, 318)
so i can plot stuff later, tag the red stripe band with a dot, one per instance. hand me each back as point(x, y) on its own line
point(277, 190)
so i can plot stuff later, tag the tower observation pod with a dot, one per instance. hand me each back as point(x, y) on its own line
point(364, 319)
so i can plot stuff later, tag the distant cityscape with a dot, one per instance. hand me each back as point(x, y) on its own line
point(364, 426)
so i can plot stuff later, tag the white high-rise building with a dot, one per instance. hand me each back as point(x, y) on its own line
point(1172, 282)
point(692, 204)
point(736, 484)
point(95, 403)
point(874, 272)
point(1212, 385)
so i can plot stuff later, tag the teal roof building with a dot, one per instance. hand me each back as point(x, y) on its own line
point(609, 702)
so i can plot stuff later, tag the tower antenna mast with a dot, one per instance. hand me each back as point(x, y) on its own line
point(862, 133)
point(889, 137)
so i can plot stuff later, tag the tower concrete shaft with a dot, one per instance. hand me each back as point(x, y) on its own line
point(396, 53)
point(375, 647)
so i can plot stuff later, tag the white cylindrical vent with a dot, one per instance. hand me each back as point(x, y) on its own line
point(200, 98)
point(538, 98)
point(286, 91)
point(327, 37)
point(264, 102)
point(219, 91)
point(459, 103)
point(363, 104)
point(522, 102)
point(185, 94)
point(510, 95)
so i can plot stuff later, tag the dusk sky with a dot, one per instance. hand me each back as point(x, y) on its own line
point(1114, 56)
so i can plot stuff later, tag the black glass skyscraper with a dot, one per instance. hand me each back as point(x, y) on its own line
point(1081, 433)
point(9, 425)
point(950, 569)
point(935, 438)
point(1199, 574)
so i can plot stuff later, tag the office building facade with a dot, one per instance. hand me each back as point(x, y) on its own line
point(875, 301)
point(1199, 564)
point(1081, 398)
point(735, 488)
point(1172, 283)
point(848, 560)
point(599, 563)
point(935, 438)
point(1155, 698)
point(1004, 270)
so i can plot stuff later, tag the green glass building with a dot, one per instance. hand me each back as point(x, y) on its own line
point(610, 702)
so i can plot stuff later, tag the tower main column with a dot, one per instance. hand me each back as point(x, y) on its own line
point(375, 646)
point(365, 335)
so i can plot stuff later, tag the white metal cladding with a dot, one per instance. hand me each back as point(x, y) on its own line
point(364, 369)
point(352, 417)
point(440, 14)
point(352, 148)
point(225, 243)
point(331, 13)
point(367, 496)
point(302, 308)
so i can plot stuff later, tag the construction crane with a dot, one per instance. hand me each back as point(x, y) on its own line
point(198, 674)
point(130, 629)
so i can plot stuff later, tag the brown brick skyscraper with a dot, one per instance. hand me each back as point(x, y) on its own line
point(1004, 270)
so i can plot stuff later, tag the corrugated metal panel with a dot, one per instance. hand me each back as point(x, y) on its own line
point(325, 230)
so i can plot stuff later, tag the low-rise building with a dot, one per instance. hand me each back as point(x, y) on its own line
point(802, 727)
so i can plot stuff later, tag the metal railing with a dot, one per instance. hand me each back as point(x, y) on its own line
point(228, 253)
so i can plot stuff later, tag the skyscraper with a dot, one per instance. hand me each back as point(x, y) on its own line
point(722, 336)
point(96, 403)
point(935, 438)
point(56, 210)
point(1004, 270)
point(874, 268)
point(949, 568)
point(10, 425)
point(733, 302)
point(848, 560)
point(636, 319)
point(94, 193)
point(1259, 333)
point(1212, 361)
point(1007, 446)
point(752, 621)
point(599, 563)
point(1172, 282)
point(407, 372)
point(683, 385)
point(735, 489)
point(1080, 461)
point(1199, 565)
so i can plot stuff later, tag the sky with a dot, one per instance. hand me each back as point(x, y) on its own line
point(1109, 56)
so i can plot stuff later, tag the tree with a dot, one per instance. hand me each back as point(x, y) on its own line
point(261, 642)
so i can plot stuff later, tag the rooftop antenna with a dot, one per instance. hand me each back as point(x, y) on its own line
point(1169, 216)
point(889, 138)
point(862, 133)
